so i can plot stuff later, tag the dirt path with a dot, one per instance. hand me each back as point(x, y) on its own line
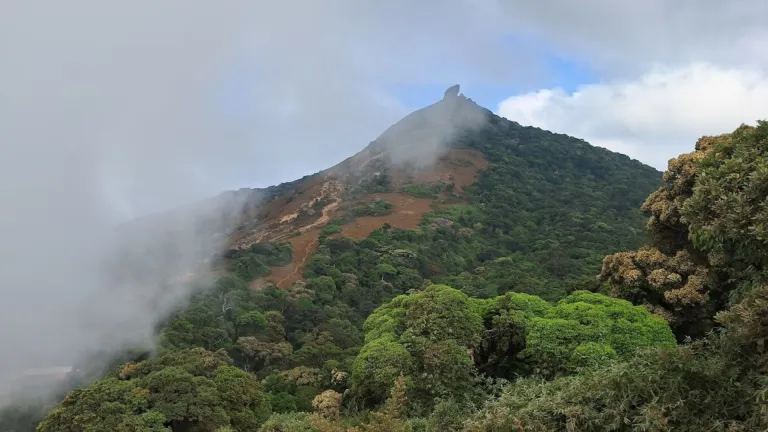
point(311, 247)
point(298, 268)
point(457, 166)
point(305, 243)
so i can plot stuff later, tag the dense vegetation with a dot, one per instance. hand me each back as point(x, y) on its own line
point(423, 191)
point(378, 207)
point(184, 390)
point(254, 262)
point(558, 201)
point(482, 319)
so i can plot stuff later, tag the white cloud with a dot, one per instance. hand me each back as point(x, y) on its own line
point(654, 117)
point(620, 38)
point(109, 110)
point(112, 109)
point(671, 71)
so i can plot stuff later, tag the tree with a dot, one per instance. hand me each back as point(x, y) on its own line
point(259, 354)
point(718, 383)
point(708, 228)
point(384, 269)
point(727, 214)
point(438, 339)
point(108, 404)
point(587, 330)
point(423, 334)
point(181, 391)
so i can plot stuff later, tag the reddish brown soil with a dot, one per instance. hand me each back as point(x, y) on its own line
point(459, 167)
point(304, 246)
point(407, 212)
point(278, 209)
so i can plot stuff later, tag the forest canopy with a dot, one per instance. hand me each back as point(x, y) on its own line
point(530, 310)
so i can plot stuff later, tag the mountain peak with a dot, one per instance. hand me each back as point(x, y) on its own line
point(431, 159)
point(451, 92)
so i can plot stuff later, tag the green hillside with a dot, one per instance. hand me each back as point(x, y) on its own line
point(417, 329)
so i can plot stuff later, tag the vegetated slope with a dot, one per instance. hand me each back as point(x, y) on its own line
point(366, 327)
point(552, 204)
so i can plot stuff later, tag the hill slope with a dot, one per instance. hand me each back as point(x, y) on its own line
point(346, 345)
point(452, 195)
point(550, 204)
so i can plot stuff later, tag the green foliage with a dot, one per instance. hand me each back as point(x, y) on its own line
point(378, 207)
point(707, 229)
point(292, 422)
point(108, 404)
point(379, 182)
point(708, 385)
point(587, 330)
point(556, 199)
point(254, 262)
point(214, 319)
point(186, 390)
point(420, 335)
point(333, 227)
point(507, 336)
point(447, 416)
point(423, 191)
point(727, 213)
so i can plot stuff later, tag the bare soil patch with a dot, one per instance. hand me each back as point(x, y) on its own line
point(457, 166)
point(407, 212)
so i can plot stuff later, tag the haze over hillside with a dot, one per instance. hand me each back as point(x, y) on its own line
point(252, 215)
point(455, 233)
point(431, 159)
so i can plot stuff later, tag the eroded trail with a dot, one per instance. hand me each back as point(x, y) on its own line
point(304, 239)
point(298, 269)
point(333, 190)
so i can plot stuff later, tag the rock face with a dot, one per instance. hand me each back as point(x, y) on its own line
point(452, 92)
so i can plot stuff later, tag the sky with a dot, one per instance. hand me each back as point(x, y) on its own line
point(161, 104)
point(113, 110)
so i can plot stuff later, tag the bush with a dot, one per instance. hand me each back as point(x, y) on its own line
point(423, 191)
point(378, 207)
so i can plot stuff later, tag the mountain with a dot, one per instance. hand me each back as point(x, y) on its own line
point(552, 205)
point(471, 215)
point(444, 279)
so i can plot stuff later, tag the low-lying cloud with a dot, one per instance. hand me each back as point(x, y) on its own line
point(111, 111)
point(114, 110)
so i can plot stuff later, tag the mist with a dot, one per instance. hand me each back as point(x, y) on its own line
point(418, 140)
point(114, 111)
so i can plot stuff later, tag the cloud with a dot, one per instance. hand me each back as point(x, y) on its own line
point(625, 38)
point(112, 110)
point(654, 117)
point(185, 99)
point(670, 71)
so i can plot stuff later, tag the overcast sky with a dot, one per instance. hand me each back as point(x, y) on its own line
point(111, 110)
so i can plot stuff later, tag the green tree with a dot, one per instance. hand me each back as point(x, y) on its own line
point(707, 228)
point(425, 334)
point(714, 384)
point(191, 390)
point(587, 330)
